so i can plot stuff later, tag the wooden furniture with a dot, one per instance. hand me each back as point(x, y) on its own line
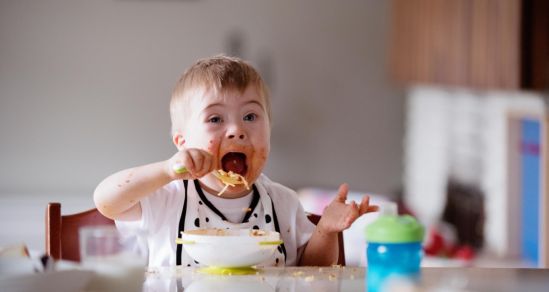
point(485, 44)
point(62, 230)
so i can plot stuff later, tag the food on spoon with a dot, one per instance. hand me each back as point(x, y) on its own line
point(231, 174)
point(230, 179)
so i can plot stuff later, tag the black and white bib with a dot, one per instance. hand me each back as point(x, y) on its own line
point(199, 213)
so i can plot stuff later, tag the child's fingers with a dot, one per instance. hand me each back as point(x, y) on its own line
point(352, 212)
point(342, 193)
point(206, 166)
point(353, 205)
point(188, 161)
point(364, 204)
point(372, 208)
point(203, 162)
point(198, 159)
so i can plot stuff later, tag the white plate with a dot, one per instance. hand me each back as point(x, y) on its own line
point(60, 281)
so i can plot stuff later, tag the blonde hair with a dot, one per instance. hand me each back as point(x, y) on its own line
point(217, 73)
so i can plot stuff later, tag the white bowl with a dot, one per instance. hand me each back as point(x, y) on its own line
point(227, 248)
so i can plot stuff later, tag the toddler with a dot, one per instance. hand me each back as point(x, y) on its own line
point(221, 120)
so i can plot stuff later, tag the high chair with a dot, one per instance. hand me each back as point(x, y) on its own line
point(62, 231)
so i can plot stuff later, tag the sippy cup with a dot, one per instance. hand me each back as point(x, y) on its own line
point(393, 248)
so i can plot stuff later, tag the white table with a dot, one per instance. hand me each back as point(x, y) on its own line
point(345, 279)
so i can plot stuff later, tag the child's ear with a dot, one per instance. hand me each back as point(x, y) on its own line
point(178, 140)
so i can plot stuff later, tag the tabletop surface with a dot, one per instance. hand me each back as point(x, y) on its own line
point(339, 278)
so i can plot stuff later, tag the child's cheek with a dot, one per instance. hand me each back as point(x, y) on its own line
point(263, 154)
point(213, 146)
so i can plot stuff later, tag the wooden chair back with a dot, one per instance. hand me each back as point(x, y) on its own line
point(341, 259)
point(62, 231)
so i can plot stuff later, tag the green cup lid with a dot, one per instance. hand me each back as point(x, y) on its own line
point(390, 228)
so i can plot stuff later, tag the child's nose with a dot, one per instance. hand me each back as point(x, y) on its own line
point(240, 136)
point(236, 131)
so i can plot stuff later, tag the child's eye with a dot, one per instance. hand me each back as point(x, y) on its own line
point(250, 117)
point(214, 120)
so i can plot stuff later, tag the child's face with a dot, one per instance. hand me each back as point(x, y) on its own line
point(234, 127)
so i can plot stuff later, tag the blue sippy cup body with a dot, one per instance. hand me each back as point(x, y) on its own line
point(394, 249)
point(387, 260)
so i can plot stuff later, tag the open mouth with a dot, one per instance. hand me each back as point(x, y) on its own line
point(235, 162)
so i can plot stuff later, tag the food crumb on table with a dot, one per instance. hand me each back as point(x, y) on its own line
point(309, 278)
point(298, 273)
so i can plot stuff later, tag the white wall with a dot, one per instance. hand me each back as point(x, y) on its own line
point(85, 85)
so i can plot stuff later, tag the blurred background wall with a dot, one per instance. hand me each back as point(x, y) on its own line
point(85, 86)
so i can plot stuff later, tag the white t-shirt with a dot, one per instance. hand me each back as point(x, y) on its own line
point(232, 209)
point(162, 214)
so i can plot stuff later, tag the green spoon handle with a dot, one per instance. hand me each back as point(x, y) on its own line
point(181, 241)
point(179, 168)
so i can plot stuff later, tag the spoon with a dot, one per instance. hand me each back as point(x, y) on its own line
point(179, 168)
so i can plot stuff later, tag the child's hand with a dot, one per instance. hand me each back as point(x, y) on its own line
point(196, 162)
point(338, 215)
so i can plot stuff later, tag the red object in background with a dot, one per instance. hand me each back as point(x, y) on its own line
point(435, 244)
point(464, 252)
